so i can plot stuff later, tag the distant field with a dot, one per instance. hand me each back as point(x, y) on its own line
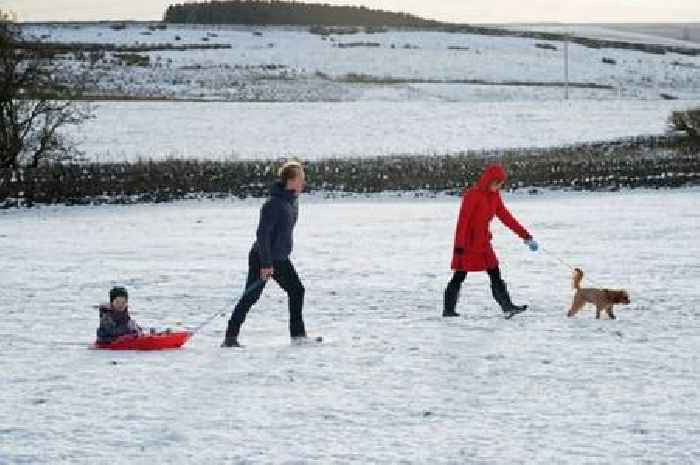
point(290, 64)
point(270, 92)
point(685, 31)
point(662, 33)
point(128, 131)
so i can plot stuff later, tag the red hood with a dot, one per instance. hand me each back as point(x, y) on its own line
point(491, 174)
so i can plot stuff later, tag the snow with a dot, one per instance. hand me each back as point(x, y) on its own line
point(312, 66)
point(285, 92)
point(394, 383)
point(609, 32)
point(222, 130)
point(291, 93)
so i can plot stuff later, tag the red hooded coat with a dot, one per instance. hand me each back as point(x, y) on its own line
point(473, 251)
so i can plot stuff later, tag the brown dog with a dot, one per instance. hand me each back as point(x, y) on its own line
point(603, 299)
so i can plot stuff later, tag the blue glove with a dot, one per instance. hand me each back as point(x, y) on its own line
point(532, 244)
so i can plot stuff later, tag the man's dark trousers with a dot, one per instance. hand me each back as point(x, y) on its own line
point(287, 278)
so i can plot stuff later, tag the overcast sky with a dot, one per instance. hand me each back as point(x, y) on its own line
point(474, 11)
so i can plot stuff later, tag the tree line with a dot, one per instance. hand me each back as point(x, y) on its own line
point(288, 13)
point(279, 12)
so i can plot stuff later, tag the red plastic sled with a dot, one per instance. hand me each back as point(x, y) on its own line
point(146, 342)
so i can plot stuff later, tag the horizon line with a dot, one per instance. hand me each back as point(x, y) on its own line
point(523, 23)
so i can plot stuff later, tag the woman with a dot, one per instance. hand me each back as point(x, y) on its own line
point(473, 250)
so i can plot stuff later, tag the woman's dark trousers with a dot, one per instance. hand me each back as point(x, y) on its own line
point(498, 289)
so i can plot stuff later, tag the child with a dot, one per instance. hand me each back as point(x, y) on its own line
point(115, 320)
point(472, 249)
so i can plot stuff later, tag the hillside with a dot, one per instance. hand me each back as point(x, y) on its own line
point(292, 64)
point(288, 13)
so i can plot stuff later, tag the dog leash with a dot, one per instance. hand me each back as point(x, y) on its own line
point(557, 258)
point(566, 264)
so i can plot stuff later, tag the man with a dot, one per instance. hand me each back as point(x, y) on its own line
point(269, 256)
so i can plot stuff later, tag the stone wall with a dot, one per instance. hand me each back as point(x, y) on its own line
point(641, 162)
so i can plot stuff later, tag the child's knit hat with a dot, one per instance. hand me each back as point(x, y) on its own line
point(117, 291)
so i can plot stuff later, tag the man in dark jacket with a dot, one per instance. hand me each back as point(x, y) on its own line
point(269, 257)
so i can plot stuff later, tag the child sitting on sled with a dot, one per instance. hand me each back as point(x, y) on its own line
point(115, 320)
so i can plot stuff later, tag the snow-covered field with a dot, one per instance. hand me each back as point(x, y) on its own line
point(307, 67)
point(287, 92)
point(157, 130)
point(394, 383)
point(625, 32)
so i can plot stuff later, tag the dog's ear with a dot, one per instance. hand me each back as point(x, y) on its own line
point(620, 297)
point(626, 297)
point(576, 278)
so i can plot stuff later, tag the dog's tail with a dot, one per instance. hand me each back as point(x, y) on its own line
point(577, 278)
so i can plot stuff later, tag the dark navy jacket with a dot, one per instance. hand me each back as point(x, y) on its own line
point(278, 217)
point(114, 324)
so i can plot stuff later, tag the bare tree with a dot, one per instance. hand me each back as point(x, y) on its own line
point(34, 105)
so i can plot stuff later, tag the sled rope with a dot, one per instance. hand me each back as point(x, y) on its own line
point(250, 289)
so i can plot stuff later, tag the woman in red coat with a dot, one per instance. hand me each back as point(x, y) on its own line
point(472, 250)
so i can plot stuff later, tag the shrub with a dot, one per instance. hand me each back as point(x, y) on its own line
point(687, 121)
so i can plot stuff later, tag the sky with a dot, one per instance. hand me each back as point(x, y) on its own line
point(471, 11)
